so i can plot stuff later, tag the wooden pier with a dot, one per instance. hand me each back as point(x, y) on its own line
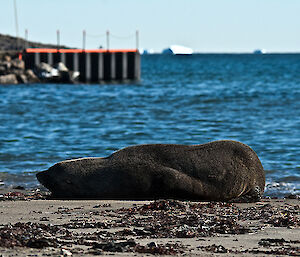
point(94, 66)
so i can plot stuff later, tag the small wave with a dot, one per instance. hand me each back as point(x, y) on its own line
point(26, 179)
point(291, 179)
point(281, 189)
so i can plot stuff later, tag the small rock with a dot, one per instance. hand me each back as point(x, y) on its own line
point(152, 244)
point(18, 187)
point(6, 65)
point(18, 64)
point(22, 79)
point(39, 243)
point(74, 75)
point(31, 77)
point(46, 72)
point(216, 248)
point(292, 196)
point(61, 67)
point(16, 72)
point(7, 58)
point(66, 252)
point(2, 70)
point(44, 219)
point(8, 79)
point(44, 67)
point(96, 252)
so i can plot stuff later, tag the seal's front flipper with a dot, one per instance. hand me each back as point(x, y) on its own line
point(252, 196)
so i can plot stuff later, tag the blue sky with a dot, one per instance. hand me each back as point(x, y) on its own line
point(204, 25)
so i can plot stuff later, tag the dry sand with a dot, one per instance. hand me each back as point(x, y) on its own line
point(138, 228)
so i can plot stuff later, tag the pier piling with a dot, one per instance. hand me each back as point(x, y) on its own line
point(94, 66)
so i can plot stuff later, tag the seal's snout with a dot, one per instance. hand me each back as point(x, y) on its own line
point(40, 176)
point(44, 178)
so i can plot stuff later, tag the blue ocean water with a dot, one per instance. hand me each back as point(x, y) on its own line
point(194, 99)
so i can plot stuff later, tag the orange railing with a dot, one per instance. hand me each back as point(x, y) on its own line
point(53, 50)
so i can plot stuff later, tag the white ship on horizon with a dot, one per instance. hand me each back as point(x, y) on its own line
point(178, 50)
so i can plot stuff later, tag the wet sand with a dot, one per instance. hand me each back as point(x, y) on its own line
point(31, 225)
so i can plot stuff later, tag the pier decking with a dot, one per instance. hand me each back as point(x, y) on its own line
point(95, 66)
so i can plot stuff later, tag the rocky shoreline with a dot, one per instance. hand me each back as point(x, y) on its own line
point(31, 224)
point(13, 71)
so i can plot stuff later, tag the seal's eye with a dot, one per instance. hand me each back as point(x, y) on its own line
point(68, 181)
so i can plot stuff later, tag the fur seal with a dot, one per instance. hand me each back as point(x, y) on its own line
point(219, 171)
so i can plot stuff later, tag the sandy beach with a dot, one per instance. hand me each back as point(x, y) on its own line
point(31, 225)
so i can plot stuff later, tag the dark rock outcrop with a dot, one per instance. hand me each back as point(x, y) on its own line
point(9, 43)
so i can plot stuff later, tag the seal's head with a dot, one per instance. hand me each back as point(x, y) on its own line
point(71, 178)
point(56, 179)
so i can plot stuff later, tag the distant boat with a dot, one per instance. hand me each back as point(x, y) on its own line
point(259, 51)
point(176, 49)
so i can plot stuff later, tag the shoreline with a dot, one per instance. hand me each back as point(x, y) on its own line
point(164, 227)
point(273, 190)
